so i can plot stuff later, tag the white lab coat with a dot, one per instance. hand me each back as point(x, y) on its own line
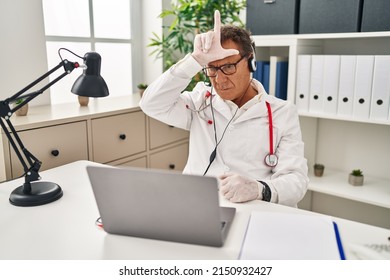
point(246, 140)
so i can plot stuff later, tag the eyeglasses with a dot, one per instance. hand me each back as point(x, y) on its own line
point(227, 69)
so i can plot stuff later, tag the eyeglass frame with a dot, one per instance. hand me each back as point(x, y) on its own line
point(220, 68)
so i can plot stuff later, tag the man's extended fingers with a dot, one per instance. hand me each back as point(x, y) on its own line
point(217, 22)
point(198, 41)
point(208, 41)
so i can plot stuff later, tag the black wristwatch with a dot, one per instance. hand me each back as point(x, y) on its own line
point(266, 192)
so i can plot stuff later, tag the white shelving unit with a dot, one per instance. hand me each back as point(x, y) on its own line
point(340, 143)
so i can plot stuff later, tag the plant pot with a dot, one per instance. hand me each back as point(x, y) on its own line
point(319, 170)
point(355, 180)
point(83, 100)
point(141, 91)
point(22, 111)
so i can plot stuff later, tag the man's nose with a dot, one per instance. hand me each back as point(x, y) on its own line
point(220, 76)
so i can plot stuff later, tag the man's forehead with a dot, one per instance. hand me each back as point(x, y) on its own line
point(226, 60)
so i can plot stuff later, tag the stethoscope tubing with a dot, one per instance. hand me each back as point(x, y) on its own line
point(271, 159)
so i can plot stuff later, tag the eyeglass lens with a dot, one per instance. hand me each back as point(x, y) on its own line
point(227, 69)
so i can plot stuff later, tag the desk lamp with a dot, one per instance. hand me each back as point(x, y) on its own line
point(90, 83)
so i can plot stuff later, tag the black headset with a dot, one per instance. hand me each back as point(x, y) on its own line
point(252, 60)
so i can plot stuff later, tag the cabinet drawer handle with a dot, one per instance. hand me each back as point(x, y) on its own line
point(122, 136)
point(171, 166)
point(55, 152)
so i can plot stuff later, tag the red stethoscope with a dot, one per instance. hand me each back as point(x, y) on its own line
point(270, 159)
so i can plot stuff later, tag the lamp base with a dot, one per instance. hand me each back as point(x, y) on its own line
point(41, 193)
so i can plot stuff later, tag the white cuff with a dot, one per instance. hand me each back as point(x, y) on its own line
point(274, 193)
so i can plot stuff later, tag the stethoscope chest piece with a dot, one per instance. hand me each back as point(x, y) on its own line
point(271, 160)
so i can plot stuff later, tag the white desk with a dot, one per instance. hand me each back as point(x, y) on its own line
point(65, 229)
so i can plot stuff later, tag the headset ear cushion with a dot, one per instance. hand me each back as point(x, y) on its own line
point(252, 64)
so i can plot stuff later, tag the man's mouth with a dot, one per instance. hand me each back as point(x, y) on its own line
point(223, 87)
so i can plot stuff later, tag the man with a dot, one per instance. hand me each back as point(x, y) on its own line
point(251, 141)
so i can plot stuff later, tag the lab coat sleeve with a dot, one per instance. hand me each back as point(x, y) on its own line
point(163, 99)
point(290, 178)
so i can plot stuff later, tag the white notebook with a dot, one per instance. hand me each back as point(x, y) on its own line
point(290, 236)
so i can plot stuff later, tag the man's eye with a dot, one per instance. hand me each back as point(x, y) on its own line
point(228, 66)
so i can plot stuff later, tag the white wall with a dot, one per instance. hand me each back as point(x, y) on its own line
point(22, 52)
point(152, 68)
point(22, 49)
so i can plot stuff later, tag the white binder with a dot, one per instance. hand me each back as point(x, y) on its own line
point(303, 83)
point(346, 85)
point(363, 83)
point(316, 81)
point(380, 88)
point(331, 83)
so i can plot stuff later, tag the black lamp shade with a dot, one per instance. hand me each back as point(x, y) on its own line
point(90, 83)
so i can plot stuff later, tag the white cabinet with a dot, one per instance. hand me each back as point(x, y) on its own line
point(118, 136)
point(162, 134)
point(53, 145)
point(173, 158)
point(113, 131)
point(341, 143)
point(167, 149)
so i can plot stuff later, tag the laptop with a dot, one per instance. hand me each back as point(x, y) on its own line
point(161, 205)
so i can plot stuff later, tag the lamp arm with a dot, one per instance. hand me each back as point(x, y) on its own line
point(68, 67)
point(32, 166)
point(30, 163)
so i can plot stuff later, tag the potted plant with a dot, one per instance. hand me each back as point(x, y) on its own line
point(356, 177)
point(319, 169)
point(142, 88)
point(188, 19)
point(22, 111)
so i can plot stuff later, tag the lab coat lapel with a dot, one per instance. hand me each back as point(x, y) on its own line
point(258, 110)
point(221, 107)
